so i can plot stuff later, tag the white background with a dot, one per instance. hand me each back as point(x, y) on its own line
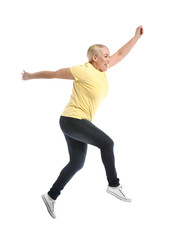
point(142, 114)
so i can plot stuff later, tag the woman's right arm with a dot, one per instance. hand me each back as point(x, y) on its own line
point(63, 73)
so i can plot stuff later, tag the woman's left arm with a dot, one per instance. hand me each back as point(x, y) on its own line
point(123, 51)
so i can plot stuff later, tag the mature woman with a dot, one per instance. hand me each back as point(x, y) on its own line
point(90, 87)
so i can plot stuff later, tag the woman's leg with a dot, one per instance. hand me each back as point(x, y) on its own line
point(86, 132)
point(77, 152)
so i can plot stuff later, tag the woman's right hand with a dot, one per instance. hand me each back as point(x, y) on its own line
point(26, 75)
point(139, 32)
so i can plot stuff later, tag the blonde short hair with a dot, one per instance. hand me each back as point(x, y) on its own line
point(94, 50)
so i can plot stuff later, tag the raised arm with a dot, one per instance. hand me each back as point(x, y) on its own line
point(123, 51)
point(63, 73)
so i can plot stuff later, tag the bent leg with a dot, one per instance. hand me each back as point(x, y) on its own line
point(86, 132)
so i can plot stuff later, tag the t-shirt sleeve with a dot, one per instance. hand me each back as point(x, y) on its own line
point(77, 72)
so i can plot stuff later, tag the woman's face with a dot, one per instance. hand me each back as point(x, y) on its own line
point(102, 60)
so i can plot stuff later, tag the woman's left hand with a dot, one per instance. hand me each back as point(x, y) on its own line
point(139, 32)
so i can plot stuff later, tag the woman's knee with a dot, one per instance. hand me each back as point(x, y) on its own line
point(108, 143)
point(77, 163)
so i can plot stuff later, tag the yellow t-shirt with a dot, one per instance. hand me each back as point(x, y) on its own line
point(89, 89)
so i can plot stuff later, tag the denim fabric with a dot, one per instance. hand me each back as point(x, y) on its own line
point(78, 133)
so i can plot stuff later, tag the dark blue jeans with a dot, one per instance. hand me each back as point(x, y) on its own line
point(78, 134)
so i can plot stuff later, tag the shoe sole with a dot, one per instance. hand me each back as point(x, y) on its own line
point(115, 195)
point(48, 208)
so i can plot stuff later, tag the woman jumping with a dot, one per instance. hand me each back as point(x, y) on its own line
point(90, 87)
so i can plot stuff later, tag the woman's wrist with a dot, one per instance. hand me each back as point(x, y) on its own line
point(135, 38)
point(30, 76)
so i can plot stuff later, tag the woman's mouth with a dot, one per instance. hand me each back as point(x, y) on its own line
point(106, 65)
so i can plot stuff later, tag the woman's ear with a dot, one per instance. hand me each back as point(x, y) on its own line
point(94, 58)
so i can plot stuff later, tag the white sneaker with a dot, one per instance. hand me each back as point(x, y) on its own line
point(118, 192)
point(49, 202)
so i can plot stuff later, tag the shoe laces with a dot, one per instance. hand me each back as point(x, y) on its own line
point(120, 189)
